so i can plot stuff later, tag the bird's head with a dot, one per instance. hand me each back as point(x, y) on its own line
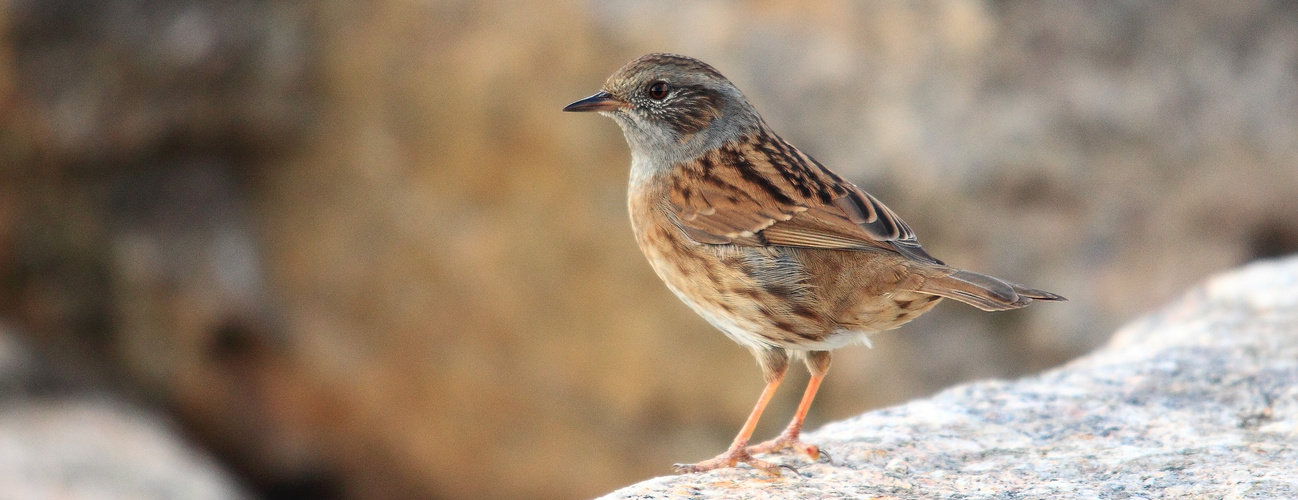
point(672, 108)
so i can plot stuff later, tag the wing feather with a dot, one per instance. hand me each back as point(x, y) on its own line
point(761, 191)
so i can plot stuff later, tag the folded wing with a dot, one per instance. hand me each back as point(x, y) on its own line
point(763, 192)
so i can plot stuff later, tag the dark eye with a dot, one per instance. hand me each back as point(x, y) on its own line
point(658, 90)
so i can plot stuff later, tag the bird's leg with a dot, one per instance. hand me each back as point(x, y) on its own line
point(818, 364)
point(774, 364)
point(789, 438)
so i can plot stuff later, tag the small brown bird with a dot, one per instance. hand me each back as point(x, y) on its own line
point(781, 254)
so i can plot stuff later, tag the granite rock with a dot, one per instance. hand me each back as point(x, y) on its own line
point(1197, 400)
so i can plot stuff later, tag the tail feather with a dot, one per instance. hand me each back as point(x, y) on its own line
point(985, 292)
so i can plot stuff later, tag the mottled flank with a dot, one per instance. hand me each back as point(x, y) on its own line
point(1197, 401)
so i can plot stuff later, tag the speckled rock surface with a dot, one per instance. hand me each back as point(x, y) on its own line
point(1198, 400)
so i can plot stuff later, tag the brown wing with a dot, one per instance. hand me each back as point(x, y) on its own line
point(760, 191)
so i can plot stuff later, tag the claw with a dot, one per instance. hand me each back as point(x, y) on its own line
point(825, 455)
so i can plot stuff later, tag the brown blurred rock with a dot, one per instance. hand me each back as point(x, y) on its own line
point(127, 248)
point(120, 81)
point(358, 250)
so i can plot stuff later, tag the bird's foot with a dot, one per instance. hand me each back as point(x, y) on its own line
point(731, 458)
point(788, 440)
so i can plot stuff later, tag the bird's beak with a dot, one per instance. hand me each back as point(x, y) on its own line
point(601, 101)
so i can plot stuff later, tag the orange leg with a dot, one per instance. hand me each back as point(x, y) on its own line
point(738, 452)
point(789, 438)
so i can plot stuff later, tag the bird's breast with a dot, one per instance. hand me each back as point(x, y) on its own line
point(756, 296)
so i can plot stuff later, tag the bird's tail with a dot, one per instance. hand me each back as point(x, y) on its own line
point(984, 292)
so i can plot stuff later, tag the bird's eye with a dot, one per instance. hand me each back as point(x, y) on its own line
point(658, 90)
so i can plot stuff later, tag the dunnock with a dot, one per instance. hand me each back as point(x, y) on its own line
point(778, 252)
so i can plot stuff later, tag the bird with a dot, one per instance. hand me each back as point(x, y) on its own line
point(783, 255)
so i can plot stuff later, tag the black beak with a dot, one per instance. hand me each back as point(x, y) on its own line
point(601, 101)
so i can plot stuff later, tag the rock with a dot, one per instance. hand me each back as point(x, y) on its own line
point(62, 439)
point(128, 245)
point(1197, 400)
point(95, 448)
point(18, 365)
point(154, 79)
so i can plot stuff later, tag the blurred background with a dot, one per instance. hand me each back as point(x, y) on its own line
point(354, 250)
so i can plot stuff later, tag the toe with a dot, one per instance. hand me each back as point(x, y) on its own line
point(810, 450)
point(732, 458)
point(686, 468)
point(768, 467)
